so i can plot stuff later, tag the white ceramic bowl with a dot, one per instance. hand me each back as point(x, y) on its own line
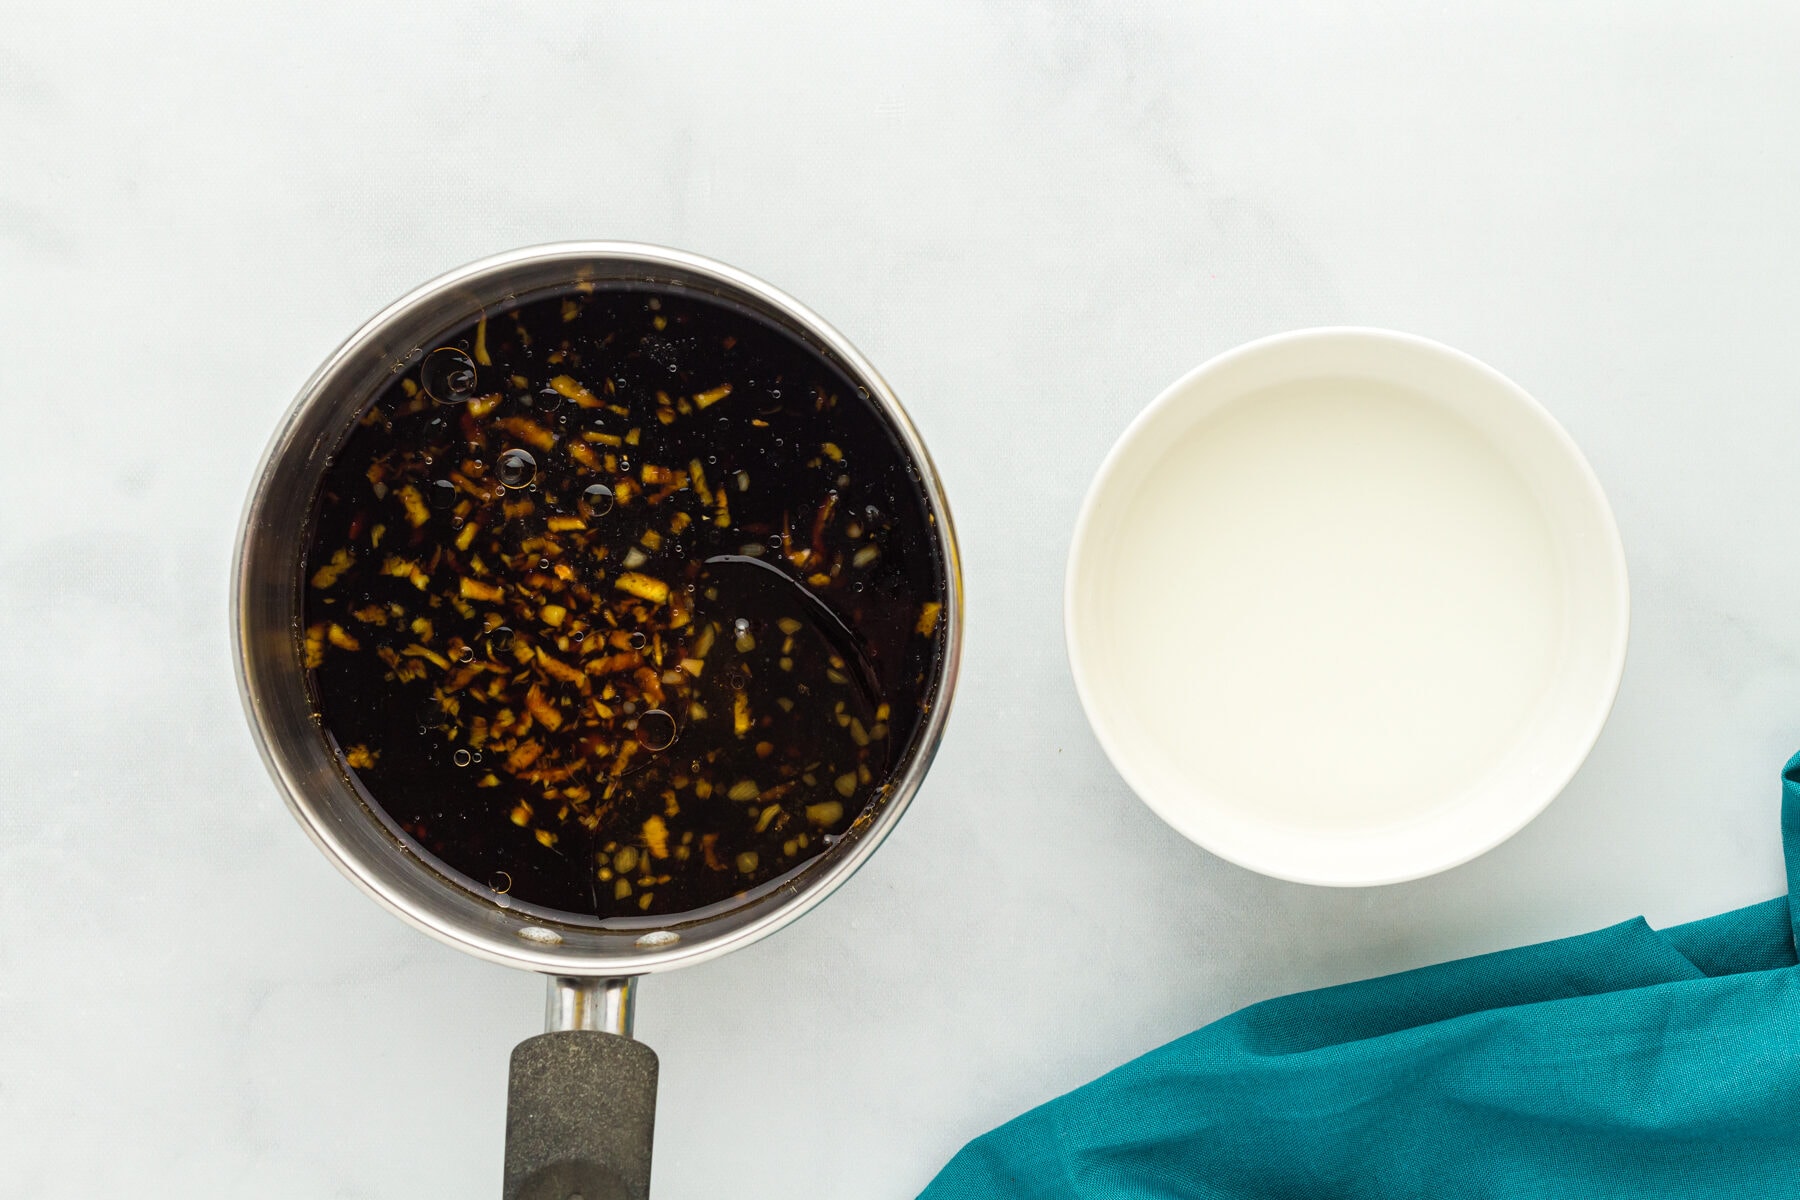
point(1346, 607)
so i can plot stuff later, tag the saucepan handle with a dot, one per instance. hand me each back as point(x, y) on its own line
point(581, 1103)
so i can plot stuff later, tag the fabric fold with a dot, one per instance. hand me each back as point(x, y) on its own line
point(1623, 1062)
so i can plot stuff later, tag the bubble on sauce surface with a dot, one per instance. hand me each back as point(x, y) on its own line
point(441, 493)
point(516, 468)
point(431, 715)
point(448, 375)
point(656, 730)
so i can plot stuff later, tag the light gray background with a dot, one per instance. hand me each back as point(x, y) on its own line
point(1031, 217)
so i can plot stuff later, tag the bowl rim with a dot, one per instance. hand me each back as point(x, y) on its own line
point(1106, 484)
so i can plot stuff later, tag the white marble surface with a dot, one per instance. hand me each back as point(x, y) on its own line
point(1031, 218)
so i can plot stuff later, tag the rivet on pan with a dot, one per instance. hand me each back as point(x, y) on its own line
point(662, 937)
point(540, 935)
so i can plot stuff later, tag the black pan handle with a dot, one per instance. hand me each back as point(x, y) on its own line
point(580, 1115)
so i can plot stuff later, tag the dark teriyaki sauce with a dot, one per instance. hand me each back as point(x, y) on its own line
point(622, 601)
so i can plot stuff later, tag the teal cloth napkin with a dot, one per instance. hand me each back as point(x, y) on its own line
point(1625, 1062)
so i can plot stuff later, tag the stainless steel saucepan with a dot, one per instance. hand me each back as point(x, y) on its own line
point(581, 1103)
